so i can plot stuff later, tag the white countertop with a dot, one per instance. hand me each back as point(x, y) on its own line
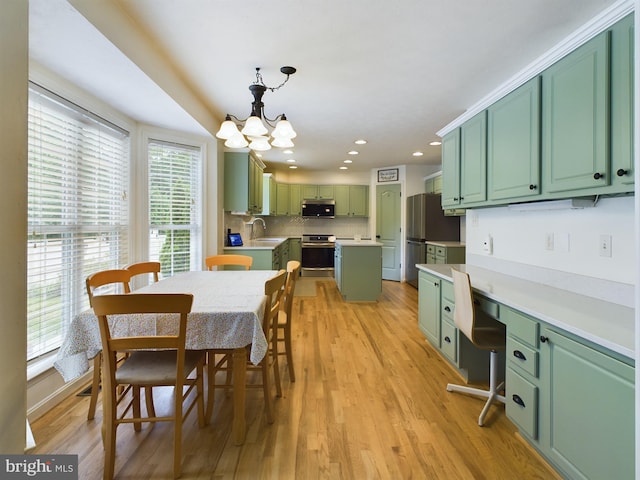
point(359, 243)
point(607, 324)
point(445, 243)
point(263, 243)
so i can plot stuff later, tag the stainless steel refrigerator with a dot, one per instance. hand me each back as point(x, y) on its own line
point(426, 221)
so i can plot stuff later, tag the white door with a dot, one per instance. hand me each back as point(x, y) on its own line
point(388, 229)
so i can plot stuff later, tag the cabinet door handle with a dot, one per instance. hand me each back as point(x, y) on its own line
point(447, 339)
point(518, 400)
point(447, 309)
point(519, 354)
point(544, 339)
point(532, 187)
point(598, 175)
point(621, 172)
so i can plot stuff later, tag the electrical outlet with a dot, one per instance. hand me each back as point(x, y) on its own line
point(605, 246)
point(487, 245)
point(548, 242)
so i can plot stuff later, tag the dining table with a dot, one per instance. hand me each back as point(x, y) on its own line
point(227, 313)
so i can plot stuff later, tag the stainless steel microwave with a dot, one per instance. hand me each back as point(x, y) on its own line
point(319, 208)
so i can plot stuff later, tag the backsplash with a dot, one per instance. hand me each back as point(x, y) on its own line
point(297, 226)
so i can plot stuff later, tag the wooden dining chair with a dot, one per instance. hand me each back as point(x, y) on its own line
point(153, 360)
point(145, 268)
point(273, 290)
point(118, 282)
point(228, 259)
point(285, 315)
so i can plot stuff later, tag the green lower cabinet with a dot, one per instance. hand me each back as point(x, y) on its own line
point(295, 249)
point(429, 307)
point(263, 259)
point(358, 271)
point(573, 401)
point(586, 409)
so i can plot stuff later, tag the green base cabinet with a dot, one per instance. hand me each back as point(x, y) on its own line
point(358, 271)
point(295, 249)
point(429, 307)
point(573, 401)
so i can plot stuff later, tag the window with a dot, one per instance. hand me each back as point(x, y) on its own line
point(174, 206)
point(77, 211)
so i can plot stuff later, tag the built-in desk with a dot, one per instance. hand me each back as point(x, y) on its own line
point(568, 365)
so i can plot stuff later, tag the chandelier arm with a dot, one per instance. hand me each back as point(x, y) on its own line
point(236, 119)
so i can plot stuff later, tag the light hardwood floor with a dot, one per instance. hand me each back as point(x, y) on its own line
point(369, 402)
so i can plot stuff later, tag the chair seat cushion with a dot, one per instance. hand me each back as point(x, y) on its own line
point(490, 338)
point(155, 367)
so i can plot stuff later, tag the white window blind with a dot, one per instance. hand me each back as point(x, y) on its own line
point(175, 206)
point(77, 211)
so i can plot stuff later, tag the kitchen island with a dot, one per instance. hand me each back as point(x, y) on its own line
point(358, 269)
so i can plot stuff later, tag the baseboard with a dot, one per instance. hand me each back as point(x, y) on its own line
point(68, 389)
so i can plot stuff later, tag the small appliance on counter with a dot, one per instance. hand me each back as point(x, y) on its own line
point(234, 239)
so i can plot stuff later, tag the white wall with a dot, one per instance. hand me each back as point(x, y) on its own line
point(14, 18)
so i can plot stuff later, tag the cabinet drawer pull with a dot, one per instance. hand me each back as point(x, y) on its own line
point(447, 309)
point(598, 175)
point(447, 339)
point(544, 339)
point(621, 172)
point(519, 354)
point(518, 400)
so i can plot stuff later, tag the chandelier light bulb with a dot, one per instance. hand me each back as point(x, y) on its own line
point(236, 141)
point(260, 144)
point(282, 142)
point(254, 127)
point(227, 130)
point(283, 130)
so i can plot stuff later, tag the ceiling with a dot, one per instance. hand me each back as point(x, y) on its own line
point(393, 73)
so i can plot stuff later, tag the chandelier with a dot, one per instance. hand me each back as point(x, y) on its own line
point(254, 133)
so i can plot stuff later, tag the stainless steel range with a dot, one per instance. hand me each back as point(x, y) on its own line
point(318, 255)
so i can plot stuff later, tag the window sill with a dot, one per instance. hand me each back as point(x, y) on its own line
point(40, 365)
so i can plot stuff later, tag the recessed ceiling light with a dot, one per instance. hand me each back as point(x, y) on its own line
point(288, 152)
point(348, 161)
point(293, 166)
point(291, 160)
point(435, 143)
point(417, 154)
point(344, 168)
point(353, 152)
point(360, 142)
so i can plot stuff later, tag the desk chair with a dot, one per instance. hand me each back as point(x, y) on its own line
point(151, 361)
point(273, 290)
point(285, 315)
point(484, 332)
point(95, 282)
point(142, 268)
point(230, 259)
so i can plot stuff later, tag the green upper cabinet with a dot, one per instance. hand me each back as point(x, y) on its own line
point(575, 106)
point(268, 194)
point(282, 199)
point(513, 144)
point(243, 182)
point(451, 169)
point(315, 192)
point(622, 105)
point(473, 160)
point(295, 200)
point(351, 200)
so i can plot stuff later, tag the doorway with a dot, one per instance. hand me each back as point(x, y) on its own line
point(389, 229)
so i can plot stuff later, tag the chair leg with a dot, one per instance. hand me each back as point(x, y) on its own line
point(95, 386)
point(137, 426)
point(491, 395)
point(148, 394)
point(268, 401)
point(287, 345)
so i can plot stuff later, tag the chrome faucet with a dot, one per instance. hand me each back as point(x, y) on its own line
point(253, 222)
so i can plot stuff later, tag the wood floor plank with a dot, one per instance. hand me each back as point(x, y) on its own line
point(369, 402)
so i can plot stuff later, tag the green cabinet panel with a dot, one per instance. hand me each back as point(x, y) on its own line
point(513, 144)
point(243, 182)
point(351, 200)
point(282, 199)
point(317, 192)
point(451, 169)
point(268, 194)
point(586, 410)
point(575, 108)
point(521, 402)
point(433, 185)
point(295, 249)
point(358, 271)
point(429, 307)
point(622, 38)
point(473, 160)
point(263, 259)
point(295, 200)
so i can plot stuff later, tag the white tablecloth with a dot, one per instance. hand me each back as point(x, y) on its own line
point(226, 313)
